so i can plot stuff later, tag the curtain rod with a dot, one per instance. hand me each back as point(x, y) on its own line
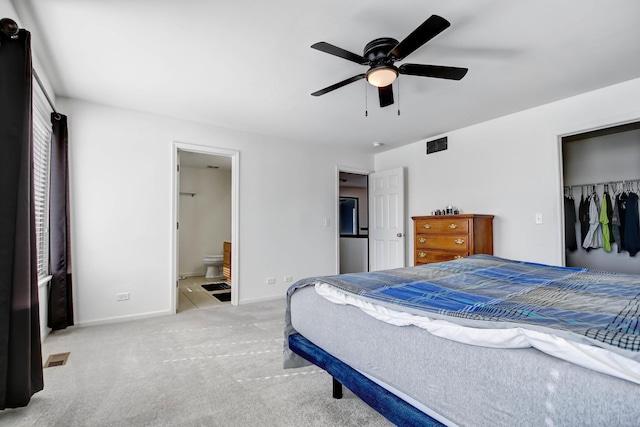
point(11, 28)
point(46, 95)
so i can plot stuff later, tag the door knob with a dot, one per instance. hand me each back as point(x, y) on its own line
point(399, 234)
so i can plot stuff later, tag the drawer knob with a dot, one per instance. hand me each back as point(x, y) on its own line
point(458, 257)
point(427, 226)
point(422, 240)
point(459, 241)
point(422, 255)
point(453, 226)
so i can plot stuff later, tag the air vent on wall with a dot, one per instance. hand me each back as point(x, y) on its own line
point(436, 145)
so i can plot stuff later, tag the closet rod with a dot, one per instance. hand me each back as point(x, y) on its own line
point(624, 181)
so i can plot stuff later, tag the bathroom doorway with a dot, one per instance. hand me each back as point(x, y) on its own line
point(205, 217)
point(353, 221)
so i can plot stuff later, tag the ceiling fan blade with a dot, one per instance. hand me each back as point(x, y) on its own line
point(338, 85)
point(430, 28)
point(437, 71)
point(386, 95)
point(337, 51)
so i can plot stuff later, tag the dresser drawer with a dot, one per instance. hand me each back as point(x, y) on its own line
point(442, 225)
point(454, 226)
point(427, 226)
point(443, 241)
point(427, 257)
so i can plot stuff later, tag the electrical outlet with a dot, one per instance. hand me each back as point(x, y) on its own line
point(538, 218)
point(271, 280)
point(123, 296)
point(288, 278)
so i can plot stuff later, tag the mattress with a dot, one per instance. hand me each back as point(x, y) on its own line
point(462, 384)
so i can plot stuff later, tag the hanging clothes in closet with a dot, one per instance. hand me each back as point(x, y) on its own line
point(583, 217)
point(570, 241)
point(616, 223)
point(605, 221)
point(621, 201)
point(632, 225)
point(593, 239)
point(615, 220)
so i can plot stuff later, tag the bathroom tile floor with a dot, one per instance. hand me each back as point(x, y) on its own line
point(192, 296)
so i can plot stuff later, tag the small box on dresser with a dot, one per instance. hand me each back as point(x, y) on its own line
point(440, 238)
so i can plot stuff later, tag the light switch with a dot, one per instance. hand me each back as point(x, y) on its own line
point(538, 218)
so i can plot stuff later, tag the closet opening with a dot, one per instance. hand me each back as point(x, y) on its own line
point(601, 183)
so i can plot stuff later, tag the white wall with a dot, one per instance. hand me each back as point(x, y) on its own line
point(121, 197)
point(509, 167)
point(205, 218)
point(613, 157)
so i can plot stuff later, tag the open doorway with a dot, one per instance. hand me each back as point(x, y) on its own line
point(353, 222)
point(205, 221)
point(204, 231)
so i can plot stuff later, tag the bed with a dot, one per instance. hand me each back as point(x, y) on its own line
point(477, 341)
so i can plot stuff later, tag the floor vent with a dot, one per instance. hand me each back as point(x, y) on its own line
point(57, 360)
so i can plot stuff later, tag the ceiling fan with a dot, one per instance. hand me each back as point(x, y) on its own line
point(381, 54)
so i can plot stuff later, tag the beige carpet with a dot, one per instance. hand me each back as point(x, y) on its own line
point(220, 366)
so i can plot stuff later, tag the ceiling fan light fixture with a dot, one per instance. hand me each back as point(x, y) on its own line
point(382, 76)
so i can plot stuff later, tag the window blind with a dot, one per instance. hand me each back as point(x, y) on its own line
point(41, 159)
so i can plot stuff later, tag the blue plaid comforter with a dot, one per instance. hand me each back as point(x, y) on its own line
point(485, 291)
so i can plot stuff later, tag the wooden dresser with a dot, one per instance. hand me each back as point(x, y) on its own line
point(448, 237)
point(226, 261)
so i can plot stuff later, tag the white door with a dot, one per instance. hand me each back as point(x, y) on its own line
point(386, 219)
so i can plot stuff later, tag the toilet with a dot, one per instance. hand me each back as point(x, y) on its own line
point(213, 263)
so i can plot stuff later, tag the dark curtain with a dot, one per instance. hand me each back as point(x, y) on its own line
point(60, 300)
point(20, 352)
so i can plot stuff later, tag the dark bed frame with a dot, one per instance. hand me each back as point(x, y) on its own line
point(386, 403)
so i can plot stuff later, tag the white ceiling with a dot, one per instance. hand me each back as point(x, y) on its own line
point(247, 64)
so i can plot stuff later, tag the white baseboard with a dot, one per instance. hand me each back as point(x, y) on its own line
point(263, 299)
point(119, 319)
